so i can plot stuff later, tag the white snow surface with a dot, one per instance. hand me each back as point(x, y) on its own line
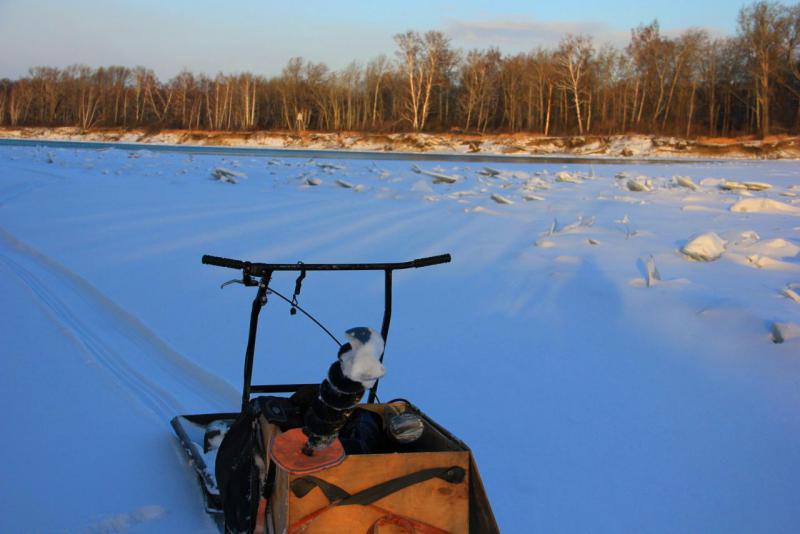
point(595, 395)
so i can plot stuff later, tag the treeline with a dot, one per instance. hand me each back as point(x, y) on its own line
point(687, 85)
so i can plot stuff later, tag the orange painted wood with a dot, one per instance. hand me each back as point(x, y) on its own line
point(286, 450)
point(437, 503)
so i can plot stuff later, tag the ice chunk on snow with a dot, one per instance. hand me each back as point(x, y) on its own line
point(330, 167)
point(653, 275)
point(765, 262)
point(530, 197)
point(764, 205)
point(438, 178)
point(790, 293)
point(566, 177)
point(757, 186)
point(442, 178)
point(730, 185)
point(488, 171)
point(685, 181)
point(704, 247)
point(500, 199)
point(784, 332)
point(226, 175)
point(749, 236)
point(361, 363)
point(642, 184)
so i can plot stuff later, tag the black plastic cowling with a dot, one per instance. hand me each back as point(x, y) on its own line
point(329, 411)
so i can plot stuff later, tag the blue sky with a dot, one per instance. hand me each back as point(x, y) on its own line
point(260, 36)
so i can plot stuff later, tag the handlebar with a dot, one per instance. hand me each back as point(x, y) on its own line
point(258, 269)
point(431, 260)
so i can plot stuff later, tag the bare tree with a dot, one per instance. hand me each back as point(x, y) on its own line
point(422, 59)
point(764, 31)
point(573, 58)
point(686, 84)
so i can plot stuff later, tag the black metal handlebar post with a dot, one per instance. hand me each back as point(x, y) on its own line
point(387, 319)
point(249, 355)
point(265, 270)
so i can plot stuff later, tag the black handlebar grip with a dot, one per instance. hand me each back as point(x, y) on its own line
point(223, 262)
point(433, 260)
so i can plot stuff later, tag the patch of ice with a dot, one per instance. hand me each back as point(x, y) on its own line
point(567, 259)
point(478, 209)
point(122, 522)
point(461, 194)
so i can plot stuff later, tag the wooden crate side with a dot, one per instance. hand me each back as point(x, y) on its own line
point(434, 502)
point(277, 507)
point(279, 504)
point(481, 517)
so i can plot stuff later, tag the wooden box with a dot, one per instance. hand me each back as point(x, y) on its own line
point(425, 504)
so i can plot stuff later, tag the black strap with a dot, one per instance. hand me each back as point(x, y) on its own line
point(298, 284)
point(339, 497)
point(301, 487)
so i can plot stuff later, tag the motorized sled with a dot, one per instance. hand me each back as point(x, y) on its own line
point(317, 457)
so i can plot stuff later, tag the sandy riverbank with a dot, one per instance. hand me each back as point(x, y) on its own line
point(777, 147)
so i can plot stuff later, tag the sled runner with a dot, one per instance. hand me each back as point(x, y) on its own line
point(313, 458)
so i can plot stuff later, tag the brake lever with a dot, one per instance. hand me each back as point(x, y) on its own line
point(246, 280)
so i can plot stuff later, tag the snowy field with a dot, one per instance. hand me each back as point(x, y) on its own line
point(605, 381)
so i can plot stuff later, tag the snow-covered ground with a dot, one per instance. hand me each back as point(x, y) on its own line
point(606, 381)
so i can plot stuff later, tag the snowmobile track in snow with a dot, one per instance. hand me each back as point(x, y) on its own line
point(94, 321)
